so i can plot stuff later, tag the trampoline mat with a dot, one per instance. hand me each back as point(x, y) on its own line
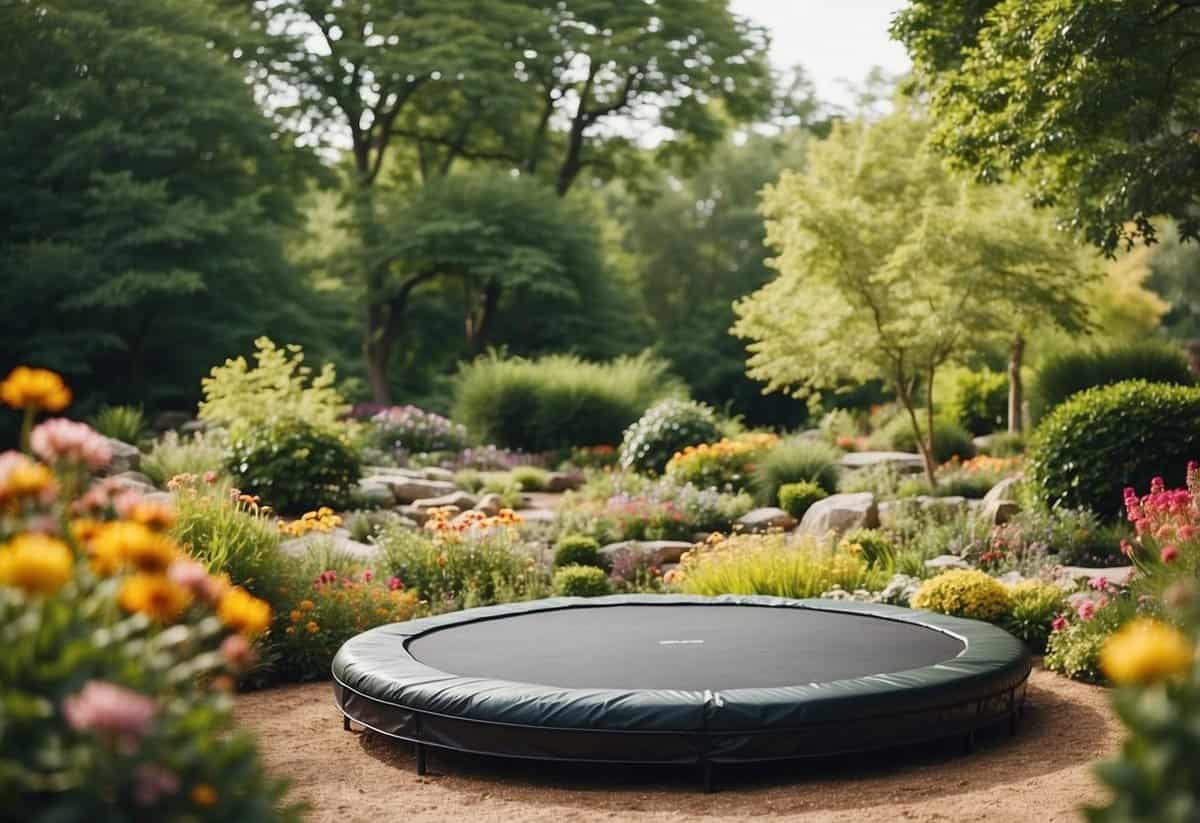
point(679, 646)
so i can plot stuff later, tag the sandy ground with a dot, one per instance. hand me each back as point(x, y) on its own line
point(1042, 774)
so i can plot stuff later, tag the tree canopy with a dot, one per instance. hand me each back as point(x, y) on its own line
point(1096, 104)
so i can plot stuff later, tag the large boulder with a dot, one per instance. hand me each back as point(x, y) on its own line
point(946, 562)
point(765, 519)
point(557, 482)
point(903, 462)
point(839, 513)
point(125, 458)
point(490, 504)
point(373, 492)
point(1000, 504)
point(456, 499)
point(411, 489)
point(652, 552)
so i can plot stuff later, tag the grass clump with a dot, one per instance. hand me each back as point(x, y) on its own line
point(798, 498)
point(124, 423)
point(794, 460)
point(173, 455)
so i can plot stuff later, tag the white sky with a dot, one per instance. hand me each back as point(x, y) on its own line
point(835, 40)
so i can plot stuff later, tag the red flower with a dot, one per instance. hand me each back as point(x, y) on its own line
point(1169, 553)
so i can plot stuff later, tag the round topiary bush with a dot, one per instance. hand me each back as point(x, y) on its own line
point(293, 466)
point(949, 438)
point(577, 550)
point(797, 498)
point(1065, 374)
point(1101, 440)
point(581, 581)
point(965, 593)
point(664, 429)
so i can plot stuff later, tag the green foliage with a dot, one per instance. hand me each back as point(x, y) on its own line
point(979, 401)
point(469, 480)
point(173, 455)
point(965, 593)
point(124, 423)
point(1035, 604)
point(1075, 650)
point(278, 387)
point(949, 438)
point(890, 268)
point(666, 428)
point(365, 526)
point(509, 491)
point(1086, 451)
point(577, 550)
point(581, 581)
point(771, 565)
point(1046, 90)
point(794, 460)
point(1063, 375)
point(875, 547)
point(1004, 444)
point(727, 464)
point(797, 498)
point(229, 536)
point(293, 466)
point(557, 401)
point(530, 478)
point(145, 199)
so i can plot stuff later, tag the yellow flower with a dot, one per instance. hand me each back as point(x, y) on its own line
point(1145, 651)
point(125, 542)
point(312, 627)
point(204, 795)
point(36, 389)
point(153, 515)
point(154, 596)
point(22, 478)
point(244, 613)
point(307, 605)
point(35, 563)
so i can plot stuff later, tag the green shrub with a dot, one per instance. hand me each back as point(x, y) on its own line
point(1104, 439)
point(1035, 604)
point(1004, 444)
point(558, 401)
point(666, 428)
point(242, 399)
point(1074, 651)
point(172, 455)
point(728, 463)
point(1066, 374)
point(581, 581)
point(509, 492)
point(965, 593)
point(469, 480)
point(771, 565)
point(124, 423)
point(793, 460)
point(578, 550)
point(949, 438)
point(366, 525)
point(294, 467)
point(530, 478)
point(797, 498)
point(873, 545)
point(979, 400)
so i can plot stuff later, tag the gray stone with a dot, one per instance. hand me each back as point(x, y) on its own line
point(193, 427)
point(437, 473)
point(655, 552)
point(410, 489)
point(999, 505)
point(125, 458)
point(457, 499)
point(373, 492)
point(339, 540)
point(766, 518)
point(944, 562)
point(903, 462)
point(171, 420)
point(1011, 578)
point(163, 498)
point(490, 504)
point(134, 481)
point(839, 513)
point(558, 482)
point(417, 516)
point(1117, 575)
point(537, 515)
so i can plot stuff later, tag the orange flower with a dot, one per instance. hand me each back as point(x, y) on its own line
point(312, 627)
point(295, 615)
point(151, 514)
point(22, 478)
point(204, 795)
point(154, 596)
point(35, 389)
point(244, 613)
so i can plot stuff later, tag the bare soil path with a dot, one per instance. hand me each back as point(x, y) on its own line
point(1041, 775)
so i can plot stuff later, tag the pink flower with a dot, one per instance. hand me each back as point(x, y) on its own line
point(1169, 553)
point(210, 477)
point(1126, 548)
point(395, 583)
point(65, 440)
point(110, 710)
point(1059, 623)
point(237, 652)
point(1086, 610)
point(196, 579)
point(152, 782)
point(368, 576)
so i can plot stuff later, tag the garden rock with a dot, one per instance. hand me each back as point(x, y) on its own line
point(1117, 575)
point(903, 462)
point(437, 473)
point(375, 492)
point(654, 552)
point(134, 482)
point(558, 482)
point(411, 489)
point(764, 519)
point(537, 515)
point(945, 562)
point(999, 505)
point(193, 427)
point(839, 513)
point(299, 547)
point(125, 458)
point(456, 499)
point(490, 504)
point(417, 516)
point(170, 421)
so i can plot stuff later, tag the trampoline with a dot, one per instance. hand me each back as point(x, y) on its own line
point(676, 679)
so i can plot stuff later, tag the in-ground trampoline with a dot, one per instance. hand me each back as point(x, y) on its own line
point(658, 679)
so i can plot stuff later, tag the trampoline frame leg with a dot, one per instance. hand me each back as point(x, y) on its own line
point(422, 761)
point(707, 770)
point(346, 723)
point(969, 742)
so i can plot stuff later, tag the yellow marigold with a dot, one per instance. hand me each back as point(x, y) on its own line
point(127, 542)
point(22, 478)
point(204, 795)
point(157, 516)
point(84, 529)
point(154, 596)
point(312, 627)
point(35, 563)
point(295, 616)
point(1145, 651)
point(307, 605)
point(36, 389)
point(244, 613)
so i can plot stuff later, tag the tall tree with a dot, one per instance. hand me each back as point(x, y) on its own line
point(890, 267)
point(143, 197)
point(1098, 103)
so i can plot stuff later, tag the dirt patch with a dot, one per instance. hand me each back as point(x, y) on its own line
point(1043, 773)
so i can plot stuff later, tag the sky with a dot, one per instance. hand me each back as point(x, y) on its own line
point(835, 40)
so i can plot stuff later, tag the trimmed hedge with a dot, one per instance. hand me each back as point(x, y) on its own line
point(558, 401)
point(1066, 374)
point(1101, 440)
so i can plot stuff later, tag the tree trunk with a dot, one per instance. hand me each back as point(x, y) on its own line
point(377, 349)
point(479, 322)
point(1016, 391)
point(924, 444)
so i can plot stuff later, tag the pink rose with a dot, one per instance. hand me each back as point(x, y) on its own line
point(1086, 610)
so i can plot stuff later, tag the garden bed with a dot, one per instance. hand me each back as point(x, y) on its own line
point(1043, 773)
